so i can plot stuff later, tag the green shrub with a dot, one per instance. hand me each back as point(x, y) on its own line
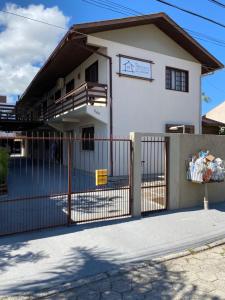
point(4, 165)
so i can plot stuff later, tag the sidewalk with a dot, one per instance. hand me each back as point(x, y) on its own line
point(197, 276)
point(41, 260)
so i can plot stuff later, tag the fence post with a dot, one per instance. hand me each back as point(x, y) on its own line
point(69, 180)
point(136, 182)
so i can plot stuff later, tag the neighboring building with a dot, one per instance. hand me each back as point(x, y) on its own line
point(210, 126)
point(217, 113)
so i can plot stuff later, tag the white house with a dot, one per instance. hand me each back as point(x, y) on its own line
point(217, 113)
point(108, 78)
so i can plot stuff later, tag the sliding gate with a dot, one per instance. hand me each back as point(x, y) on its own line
point(154, 185)
point(50, 181)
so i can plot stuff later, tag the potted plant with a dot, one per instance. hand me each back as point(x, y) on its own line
point(4, 165)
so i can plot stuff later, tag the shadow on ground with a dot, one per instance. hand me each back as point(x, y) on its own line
point(80, 261)
point(153, 280)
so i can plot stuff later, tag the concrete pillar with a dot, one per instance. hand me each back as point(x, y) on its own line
point(136, 189)
point(174, 172)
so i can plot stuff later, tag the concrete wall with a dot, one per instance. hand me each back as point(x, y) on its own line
point(191, 194)
point(182, 193)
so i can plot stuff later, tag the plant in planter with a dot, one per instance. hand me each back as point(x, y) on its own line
point(4, 166)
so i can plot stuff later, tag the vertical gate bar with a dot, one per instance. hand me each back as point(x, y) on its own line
point(131, 177)
point(167, 139)
point(69, 180)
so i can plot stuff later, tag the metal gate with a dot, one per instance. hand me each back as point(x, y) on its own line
point(154, 186)
point(51, 181)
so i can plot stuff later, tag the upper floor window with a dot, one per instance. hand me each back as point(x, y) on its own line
point(176, 79)
point(70, 86)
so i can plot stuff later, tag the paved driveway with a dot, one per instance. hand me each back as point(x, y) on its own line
point(37, 196)
point(29, 262)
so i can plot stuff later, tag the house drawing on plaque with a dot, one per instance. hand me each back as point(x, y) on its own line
point(128, 67)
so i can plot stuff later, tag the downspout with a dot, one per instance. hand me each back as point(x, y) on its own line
point(109, 58)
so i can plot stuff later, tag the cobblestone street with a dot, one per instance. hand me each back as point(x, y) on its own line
point(197, 276)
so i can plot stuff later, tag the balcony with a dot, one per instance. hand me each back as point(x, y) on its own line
point(7, 112)
point(88, 94)
point(12, 119)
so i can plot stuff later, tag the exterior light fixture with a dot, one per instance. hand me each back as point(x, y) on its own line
point(174, 128)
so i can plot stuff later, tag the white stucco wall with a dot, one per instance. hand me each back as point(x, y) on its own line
point(140, 105)
point(102, 67)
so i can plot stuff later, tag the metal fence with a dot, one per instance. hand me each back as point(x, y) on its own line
point(51, 181)
point(154, 184)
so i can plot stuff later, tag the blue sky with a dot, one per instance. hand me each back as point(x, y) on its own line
point(212, 85)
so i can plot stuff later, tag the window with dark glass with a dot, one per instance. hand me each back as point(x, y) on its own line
point(176, 79)
point(91, 73)
point(70, 86)
point(57, 94)
point(88, 138)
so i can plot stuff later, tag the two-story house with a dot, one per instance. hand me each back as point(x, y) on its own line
point(108, 78)
point(111, 77)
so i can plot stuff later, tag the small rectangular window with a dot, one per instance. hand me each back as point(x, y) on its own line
point(176, 80)
point(88, 138)
point(57, 94)
point(70, 86)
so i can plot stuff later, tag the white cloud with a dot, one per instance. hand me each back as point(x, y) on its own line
point(25, 44)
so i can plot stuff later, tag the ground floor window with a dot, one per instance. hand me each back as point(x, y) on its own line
point(88, 138)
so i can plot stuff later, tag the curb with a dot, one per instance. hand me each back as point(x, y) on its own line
point(114, 272)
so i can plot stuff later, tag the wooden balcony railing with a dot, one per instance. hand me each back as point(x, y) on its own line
point(10, 112)
point(88, 93)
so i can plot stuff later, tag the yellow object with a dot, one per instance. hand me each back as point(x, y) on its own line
point(101, 177)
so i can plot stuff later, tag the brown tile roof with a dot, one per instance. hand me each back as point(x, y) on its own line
point(67, 56)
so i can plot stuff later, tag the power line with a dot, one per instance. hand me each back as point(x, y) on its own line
point(205, 36)
point(100, 3)
point(215, 87)
point(115, 7)
point(42, 22)
point(31, 19)
point(107, 5)
point(95, 3)
point(192, 13)
point(217, 3)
